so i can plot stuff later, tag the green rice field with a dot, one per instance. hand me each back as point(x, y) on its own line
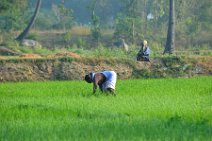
point(172, 109)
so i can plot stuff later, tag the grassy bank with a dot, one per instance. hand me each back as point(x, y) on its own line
point(151, 109)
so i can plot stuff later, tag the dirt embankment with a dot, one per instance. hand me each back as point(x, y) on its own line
point(75, 69)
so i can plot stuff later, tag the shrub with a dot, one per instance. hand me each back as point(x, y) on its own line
point(80, 43)
point(33, 36)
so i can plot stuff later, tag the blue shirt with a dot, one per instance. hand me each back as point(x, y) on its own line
point(146, 51)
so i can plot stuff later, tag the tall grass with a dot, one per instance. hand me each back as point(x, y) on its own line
point(152, 109)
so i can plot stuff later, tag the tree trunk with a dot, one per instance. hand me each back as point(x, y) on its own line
point(170, 42)
point(25, 32)
point(133, 31)
point(145, 17)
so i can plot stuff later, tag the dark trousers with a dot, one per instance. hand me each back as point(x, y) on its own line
point(143, 58)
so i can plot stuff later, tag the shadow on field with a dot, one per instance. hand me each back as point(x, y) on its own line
point(98, 94)
point(36, 106)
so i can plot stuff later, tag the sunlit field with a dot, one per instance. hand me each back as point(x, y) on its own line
point(148, 109)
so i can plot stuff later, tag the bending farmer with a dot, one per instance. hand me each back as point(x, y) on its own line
point(106, 81)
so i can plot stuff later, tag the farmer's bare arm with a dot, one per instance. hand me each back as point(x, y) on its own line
point(95, 82)
point(98, 81)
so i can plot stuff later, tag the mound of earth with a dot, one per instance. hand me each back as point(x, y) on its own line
point(30, 55)
point(64, 54)
point(62, 69)
point(8, 52)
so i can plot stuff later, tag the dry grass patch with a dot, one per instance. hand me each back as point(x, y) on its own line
point(1, 58)
point(30, 55)
point(205, 62)
point(80, 30)
point(64, 54)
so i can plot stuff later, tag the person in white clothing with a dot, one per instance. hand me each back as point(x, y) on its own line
point(106, 81)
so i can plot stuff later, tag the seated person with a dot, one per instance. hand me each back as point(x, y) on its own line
point(143, 54)
point(106, 81)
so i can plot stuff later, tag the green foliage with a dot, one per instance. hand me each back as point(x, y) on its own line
point(95, 28)
point(205, 15)
point(67, 37)
point(33, 36)
point(151, 109)
point(14, 45)
point(64, 16)
point(12, 14)
point(112, 52)
point(9, 41)
point(40, 51)
point(122, 27)
point(7, 5)
point(66, 59)
point(127, 17)
point(45, 20)
point(128, 23)
point(81, 43)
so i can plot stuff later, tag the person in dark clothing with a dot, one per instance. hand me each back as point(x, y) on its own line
point(144, 52)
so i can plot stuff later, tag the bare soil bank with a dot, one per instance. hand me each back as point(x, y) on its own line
point(14, 70)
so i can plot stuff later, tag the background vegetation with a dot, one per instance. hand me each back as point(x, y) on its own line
point(69, 24)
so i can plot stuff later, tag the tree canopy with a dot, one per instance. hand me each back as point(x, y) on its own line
point(131, 19)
